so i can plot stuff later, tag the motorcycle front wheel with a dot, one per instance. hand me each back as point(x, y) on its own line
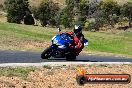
point(46, 53)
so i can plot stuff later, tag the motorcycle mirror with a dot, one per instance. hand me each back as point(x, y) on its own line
point(59, 30)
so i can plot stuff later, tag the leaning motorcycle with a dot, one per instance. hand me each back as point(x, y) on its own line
point(59, 47)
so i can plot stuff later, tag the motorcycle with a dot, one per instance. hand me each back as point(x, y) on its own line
point(59, 47)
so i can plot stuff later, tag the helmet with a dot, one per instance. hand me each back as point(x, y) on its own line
point(77, 29)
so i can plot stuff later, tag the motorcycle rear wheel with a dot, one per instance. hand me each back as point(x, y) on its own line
point(46, 53)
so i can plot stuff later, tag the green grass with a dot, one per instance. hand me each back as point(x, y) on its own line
point(120, 43)
point(22, 31)
point(14, 35)
point(18, 71)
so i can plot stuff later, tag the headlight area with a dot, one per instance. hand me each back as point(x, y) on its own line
point(55, 41)
point(62, 46)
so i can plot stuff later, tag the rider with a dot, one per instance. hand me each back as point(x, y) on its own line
point(78, 38)
point(78, 33)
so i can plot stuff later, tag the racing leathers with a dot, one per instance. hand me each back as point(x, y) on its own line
point(78, 42)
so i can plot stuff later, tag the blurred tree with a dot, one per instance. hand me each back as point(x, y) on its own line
point(70, 2)
point(109, 7)
point(126, 11)
point(100, 20)
point(16, 10)
point(111, 10)
point(81, 11)
point(1, 7)
point(28, 19)
point(90, 24)
point(66, 20)
point(35, 12)
point(46, 12)
point(65, 16)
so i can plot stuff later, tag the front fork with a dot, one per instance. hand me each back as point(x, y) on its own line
point(54, 49)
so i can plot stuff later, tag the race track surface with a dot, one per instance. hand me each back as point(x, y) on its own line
point(8, 56)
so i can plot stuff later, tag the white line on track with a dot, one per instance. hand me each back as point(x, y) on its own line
point(56, 64)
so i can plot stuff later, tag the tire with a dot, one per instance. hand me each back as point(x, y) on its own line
point(70, 57)
point(81, 80)
point(46, 53)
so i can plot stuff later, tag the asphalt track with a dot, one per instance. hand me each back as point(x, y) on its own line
point(8, 56)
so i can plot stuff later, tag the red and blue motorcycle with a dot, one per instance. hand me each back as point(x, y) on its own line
point(59, 47)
